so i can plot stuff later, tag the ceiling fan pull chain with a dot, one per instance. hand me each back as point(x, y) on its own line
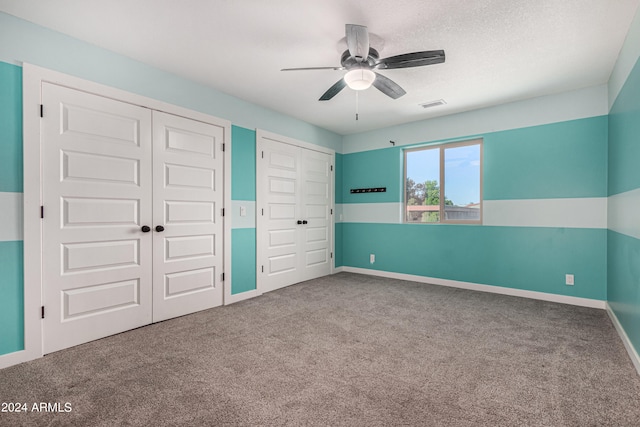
point(356, 105)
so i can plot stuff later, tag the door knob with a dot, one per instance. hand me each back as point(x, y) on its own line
point(146, 229)
point(159, 228)
point(299, 222)
point(305, 221)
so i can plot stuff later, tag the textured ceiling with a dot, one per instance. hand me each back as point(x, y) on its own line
point(496, 50)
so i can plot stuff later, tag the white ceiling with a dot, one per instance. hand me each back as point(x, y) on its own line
point(496, 50)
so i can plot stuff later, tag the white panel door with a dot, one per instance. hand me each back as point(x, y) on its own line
point(294, 222)
point(96, 188)
point(315, 209)
point(280, 187)
point(187, 216)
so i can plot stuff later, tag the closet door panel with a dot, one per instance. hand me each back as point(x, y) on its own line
point(315, 203)
point(187, 198)
point(280, 185)
point(96, 194)
point(294, 227)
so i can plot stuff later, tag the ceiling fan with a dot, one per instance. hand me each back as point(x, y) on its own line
point(361, 60)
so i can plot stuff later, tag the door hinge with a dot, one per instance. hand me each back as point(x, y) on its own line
point(331, 254)
point(262, 212)
point(42, 312)
point(332, 167)
point(331, 211)
point(222, 211)
point(223, 277)
point(223, 146)
point(263, 154)
point(41, 211)
point(41, 110)
point(263, 268)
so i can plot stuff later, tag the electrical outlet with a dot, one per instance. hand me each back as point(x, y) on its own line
point(569, 279)
point(372, 258)
point(243, 211)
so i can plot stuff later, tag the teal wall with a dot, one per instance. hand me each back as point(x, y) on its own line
point(243, 260)
point(624, 137)
point(337, 235)
point(623, 250)
point(528, 258)
point(11, 297)
point(243, 187)
point(559, 160)
point(566, 159)
point(11, 271)
point(623, 282)
point(375, 168)
point(10, 128)
point(243, 163)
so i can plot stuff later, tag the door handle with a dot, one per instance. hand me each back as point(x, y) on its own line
point(146, 229)
point(304, 221)
point(299, 222)
point(159, 228)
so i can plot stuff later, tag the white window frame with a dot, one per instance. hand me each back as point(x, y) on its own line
point(441, 148)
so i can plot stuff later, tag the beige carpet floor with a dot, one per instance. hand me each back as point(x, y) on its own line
point(344, 350)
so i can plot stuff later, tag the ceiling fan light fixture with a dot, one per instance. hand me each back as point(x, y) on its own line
point(359, 78)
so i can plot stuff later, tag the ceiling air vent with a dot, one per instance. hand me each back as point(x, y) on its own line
point(433, 103)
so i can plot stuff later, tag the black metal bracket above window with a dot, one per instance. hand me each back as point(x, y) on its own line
point(369, 190)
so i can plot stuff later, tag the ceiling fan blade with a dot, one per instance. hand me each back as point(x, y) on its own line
point(388, 86)
point(358, 41)
point(415, 59)
point(312, 68)
point(333, 90)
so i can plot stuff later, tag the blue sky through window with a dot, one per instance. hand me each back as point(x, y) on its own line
point(462, 171)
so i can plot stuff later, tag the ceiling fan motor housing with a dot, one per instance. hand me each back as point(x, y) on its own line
point(349, 61)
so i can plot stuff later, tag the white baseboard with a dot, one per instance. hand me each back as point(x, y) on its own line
point(17, 357)
point(633, 354)
point(233, 298)
point(338, 270)
point(563, 299)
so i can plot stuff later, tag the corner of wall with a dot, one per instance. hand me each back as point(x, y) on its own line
point(627, 58)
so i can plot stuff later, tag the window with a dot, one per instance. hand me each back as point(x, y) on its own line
point(443, 183)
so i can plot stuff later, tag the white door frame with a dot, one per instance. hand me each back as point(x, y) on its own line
point(33, 77)
point(262, 135)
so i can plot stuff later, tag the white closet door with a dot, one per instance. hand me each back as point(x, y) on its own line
point(294, 221)
point(187, 199)
point(315, 206)
point(280, 187)
point(96, 170)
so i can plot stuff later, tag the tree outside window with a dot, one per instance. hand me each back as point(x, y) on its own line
point(457, 166)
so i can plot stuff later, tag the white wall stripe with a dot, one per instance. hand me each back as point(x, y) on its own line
point(248, 220)
point(11, 217)
point(543, 296)
point(570, 213)
point(623, 212)
point(381, 213)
